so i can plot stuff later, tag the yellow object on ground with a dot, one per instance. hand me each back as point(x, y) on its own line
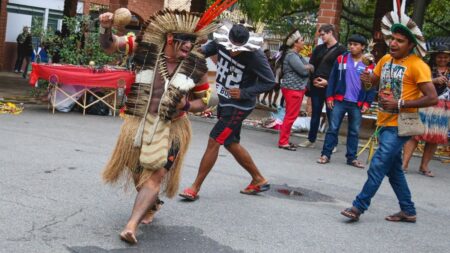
point(10, 108)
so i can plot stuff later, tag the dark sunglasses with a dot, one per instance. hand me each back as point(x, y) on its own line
point(183, 37)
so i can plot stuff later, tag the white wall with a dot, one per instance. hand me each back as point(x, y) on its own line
point(15, 24)
point(51, 4)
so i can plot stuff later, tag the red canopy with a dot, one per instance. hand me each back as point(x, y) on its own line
point(81, 75)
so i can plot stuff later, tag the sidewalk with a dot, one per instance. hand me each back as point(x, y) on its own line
point(14, 88)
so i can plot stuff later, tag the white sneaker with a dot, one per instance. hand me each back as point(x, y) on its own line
point(334, 150)
point(307, 144)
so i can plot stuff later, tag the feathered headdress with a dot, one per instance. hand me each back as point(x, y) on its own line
point(152, 41)
point(398, 20)
point(293, 37)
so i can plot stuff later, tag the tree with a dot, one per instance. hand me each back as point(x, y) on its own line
point(358, 16)
point(282, 16)
point(70, 10)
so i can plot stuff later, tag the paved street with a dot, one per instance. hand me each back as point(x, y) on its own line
point(52, 198)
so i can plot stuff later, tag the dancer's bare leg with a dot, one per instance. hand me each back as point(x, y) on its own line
point(270, 98)
point(245, 160)
point(145, 198)
point(428, 153)
point(208, 160)
point(150, 214)
point(408, 150)
point(275, 97)
point(263, 101)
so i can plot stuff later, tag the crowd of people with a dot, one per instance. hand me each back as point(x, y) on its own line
point(171, 81)
point(335, 79)
point(155, 133)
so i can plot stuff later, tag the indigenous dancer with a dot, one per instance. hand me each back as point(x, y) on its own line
point(170, 81)
point(243, 72)
point(403, 78)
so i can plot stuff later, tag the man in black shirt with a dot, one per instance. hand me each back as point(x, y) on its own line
point(21, 49)
point(322, 59)
point(243, 72)
point(27, 52)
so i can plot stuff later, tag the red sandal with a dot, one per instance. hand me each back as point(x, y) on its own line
point(252, 189)
point(189, 194)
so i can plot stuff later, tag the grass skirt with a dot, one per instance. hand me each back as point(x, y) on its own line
point(124, 162)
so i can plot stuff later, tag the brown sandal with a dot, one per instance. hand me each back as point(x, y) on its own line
point(352, 213)
point(323, 160)
point(427, 173)
point(357, 164)
point(401, 217)
point(288, 147)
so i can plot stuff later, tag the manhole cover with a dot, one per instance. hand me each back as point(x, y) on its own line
point(297, 193)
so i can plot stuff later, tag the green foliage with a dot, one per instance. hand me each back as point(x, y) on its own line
point(357, 16)
point(437, 21)
point(70, 47)
point(282, 16)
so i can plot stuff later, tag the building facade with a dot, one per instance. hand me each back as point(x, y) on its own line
point(15, 14)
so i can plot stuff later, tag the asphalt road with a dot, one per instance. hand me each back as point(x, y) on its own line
point(52, 198)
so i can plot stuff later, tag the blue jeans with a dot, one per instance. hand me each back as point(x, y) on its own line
point(354, 121)
point(317, 102)
point(387, 161)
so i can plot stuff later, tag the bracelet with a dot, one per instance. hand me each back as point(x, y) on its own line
point(400, 103)
point(186, 106)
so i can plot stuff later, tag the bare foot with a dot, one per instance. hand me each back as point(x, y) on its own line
point(148, 218)
point(128, 236)
point(150, 215)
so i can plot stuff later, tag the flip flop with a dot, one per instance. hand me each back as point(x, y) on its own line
point(189, 194)
point(323, 160)
point(401, 217)
point(352, 213)
point(288, 147)
point(357, 164)
point(252, 189)
point(427, 173)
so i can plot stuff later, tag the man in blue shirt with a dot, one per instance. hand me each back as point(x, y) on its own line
point(345, 95)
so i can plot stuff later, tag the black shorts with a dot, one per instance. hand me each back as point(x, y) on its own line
point(228, 129)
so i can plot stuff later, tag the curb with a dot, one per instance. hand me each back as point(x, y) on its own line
point(273, 131)
point(260, 129)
